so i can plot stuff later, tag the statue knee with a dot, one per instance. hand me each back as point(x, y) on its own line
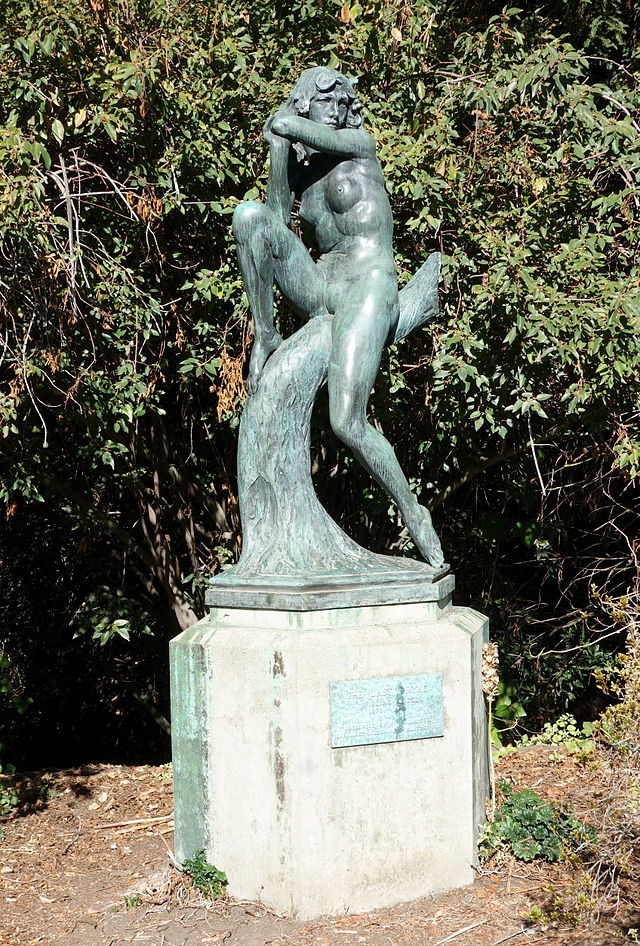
point(247, 216)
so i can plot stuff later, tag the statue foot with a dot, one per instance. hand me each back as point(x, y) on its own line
point(427, 541)
point(260, 353)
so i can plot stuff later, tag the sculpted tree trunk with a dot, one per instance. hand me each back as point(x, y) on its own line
point(287, 534)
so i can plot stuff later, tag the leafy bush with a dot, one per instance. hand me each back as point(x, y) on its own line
point(507, 712)
point(104, 614)
point(529, 827)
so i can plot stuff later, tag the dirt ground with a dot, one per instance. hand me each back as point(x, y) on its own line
point(86, 860)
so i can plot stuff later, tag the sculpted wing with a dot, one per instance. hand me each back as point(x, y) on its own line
point(419, 298)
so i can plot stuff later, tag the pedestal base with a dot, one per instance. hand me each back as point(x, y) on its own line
point(387, 580)
point(305, 827)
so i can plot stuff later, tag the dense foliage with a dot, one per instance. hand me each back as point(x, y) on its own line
point(128, 133)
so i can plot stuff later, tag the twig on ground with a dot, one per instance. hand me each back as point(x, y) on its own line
point(268, 911)
point(136, 827)
point(465, 929)
point(524, 931)
point(124, 824)
point(172, 856)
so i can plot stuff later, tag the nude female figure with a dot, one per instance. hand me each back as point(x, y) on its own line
point(321, 155)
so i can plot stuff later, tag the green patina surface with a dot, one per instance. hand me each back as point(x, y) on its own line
point(339, 275)
point(191, 743)
point(386, 709)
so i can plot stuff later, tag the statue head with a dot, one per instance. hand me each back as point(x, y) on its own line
point(322, 83)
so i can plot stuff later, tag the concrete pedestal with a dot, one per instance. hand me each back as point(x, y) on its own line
point(307, 828)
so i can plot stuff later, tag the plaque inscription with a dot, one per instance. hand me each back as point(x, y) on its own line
point(386, 709)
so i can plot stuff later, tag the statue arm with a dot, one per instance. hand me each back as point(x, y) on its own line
point(279, 195)
point(350, 142)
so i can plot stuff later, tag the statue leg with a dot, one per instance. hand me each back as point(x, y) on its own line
point(360, 331)
point(268, 253)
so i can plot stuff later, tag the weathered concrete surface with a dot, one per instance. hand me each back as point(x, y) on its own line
point(304, 827)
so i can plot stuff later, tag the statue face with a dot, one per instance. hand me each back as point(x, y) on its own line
point(330, 108)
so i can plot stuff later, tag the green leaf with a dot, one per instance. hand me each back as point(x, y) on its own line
point(57, 129)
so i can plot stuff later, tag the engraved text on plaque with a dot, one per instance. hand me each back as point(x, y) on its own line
point(386, 709)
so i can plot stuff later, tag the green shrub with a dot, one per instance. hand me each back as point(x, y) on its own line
point(530, 827)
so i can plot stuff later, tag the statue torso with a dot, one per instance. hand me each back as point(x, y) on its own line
point(344, 206)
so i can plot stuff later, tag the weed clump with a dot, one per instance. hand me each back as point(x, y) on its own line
point(529, 828)
point(208, 879)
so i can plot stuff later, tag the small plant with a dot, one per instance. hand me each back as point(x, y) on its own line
point(132, 900)
point(162, 773)
point(566, 732)
point(575, 903)
point(535, 915)
point(530, 827)
point(8, 799)
point(207, 878)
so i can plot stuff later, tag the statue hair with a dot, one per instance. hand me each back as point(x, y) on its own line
point(322, 79)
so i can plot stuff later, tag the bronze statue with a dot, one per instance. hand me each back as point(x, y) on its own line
point(341, 272)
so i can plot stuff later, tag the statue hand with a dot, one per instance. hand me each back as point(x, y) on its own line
point(272, 137)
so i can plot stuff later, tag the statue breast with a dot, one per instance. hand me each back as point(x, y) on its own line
point(344, 187)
